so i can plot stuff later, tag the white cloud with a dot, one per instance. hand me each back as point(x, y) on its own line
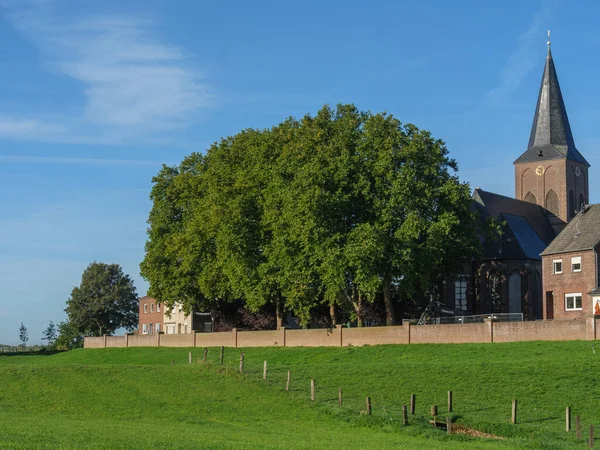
point(133, 85)
point(525, 57)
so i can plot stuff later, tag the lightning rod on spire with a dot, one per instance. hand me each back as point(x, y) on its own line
point(548, 38)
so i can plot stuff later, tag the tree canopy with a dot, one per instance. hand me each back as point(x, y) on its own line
point(105, 301)
point(330, 210)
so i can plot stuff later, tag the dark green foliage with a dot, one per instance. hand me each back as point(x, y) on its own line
point(105, 301)
point(69, 337)
point(23, 335)
point(333, 210)
point(49, 334)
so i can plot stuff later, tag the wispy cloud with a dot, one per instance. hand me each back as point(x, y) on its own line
point(83, 161)
point(132, 84)
point(526, 55)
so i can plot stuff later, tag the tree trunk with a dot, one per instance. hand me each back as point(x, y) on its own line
point(279, 313)
point(357, 302)
point(333, 314)
point(390, 318)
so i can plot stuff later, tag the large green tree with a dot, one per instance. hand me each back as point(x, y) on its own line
point(336, 208)
point(105, 301)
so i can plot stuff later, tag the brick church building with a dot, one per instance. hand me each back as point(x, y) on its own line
point(551, 187)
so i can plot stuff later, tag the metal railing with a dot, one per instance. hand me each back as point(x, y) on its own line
point(477, 318)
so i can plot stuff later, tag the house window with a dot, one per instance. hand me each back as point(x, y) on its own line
point(557, 264)
point(576, 264)
point(573, 302)
point(460, 293)
point(180, 307)
point(145, 307)
point(145, 328)
point(158, 327)
point(158, 307)
point(151, 307)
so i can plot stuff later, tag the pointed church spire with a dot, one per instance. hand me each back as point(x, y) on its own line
point(551, 136)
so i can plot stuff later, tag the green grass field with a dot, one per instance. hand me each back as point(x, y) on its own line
point(134, 398)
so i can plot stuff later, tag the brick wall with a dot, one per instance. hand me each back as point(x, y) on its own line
point(272, 338)
point(116, 341)
point(93, 342)
point(142, 340)
point(559, 175)
point(217, 339)
point(177, 340)
point(374, 336)
point(450, 334)
point(541, 330)
point(567, 283)
point(314, 338)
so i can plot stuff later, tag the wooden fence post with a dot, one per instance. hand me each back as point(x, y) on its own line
point(289, 378)
point(340, 397)
point(513, 418)
point(448, 425)
point(172, 362)
point(568, 419)
point(221, 355)
point(434, 413)
point(205, 354)
point(591, 441)
point(242, 362)
point(265, 371)
point(578, 427)
point(312, 389)
point(404, 415)
point(412, 403)
point(368, 406)
point(189, 357)
point(449, 401)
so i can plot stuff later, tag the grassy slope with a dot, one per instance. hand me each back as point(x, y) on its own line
point(134, 398)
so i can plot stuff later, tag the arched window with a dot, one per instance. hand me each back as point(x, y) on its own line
point(571, 206)
point(460, 293)
point(515, 296)
point(529, 197)
point(581, 202)
point(495, 289)
point(552, 202)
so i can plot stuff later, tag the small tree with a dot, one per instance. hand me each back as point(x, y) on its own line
point(105, 301)
point(23, 335)
point(69, 337)
point(49, 334)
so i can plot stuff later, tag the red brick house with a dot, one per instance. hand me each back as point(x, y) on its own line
point(150, 316)
point(571, 271)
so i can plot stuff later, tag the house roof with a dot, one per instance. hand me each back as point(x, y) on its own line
point(528, 240)
point(581, 233)
point(595, 291)
point(551, 136)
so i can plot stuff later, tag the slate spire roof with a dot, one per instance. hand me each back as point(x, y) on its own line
point(551, 136)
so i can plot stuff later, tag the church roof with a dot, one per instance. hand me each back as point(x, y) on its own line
point(551, 136)
point(581, 233)
point(495, 205)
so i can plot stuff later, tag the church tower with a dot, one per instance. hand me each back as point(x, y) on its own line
point(552, 173)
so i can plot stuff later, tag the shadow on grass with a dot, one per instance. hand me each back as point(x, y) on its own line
point(32, 353)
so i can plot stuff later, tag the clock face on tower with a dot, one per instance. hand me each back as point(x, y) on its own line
point(539, 171)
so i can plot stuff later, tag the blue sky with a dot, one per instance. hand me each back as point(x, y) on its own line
point(96, 95)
